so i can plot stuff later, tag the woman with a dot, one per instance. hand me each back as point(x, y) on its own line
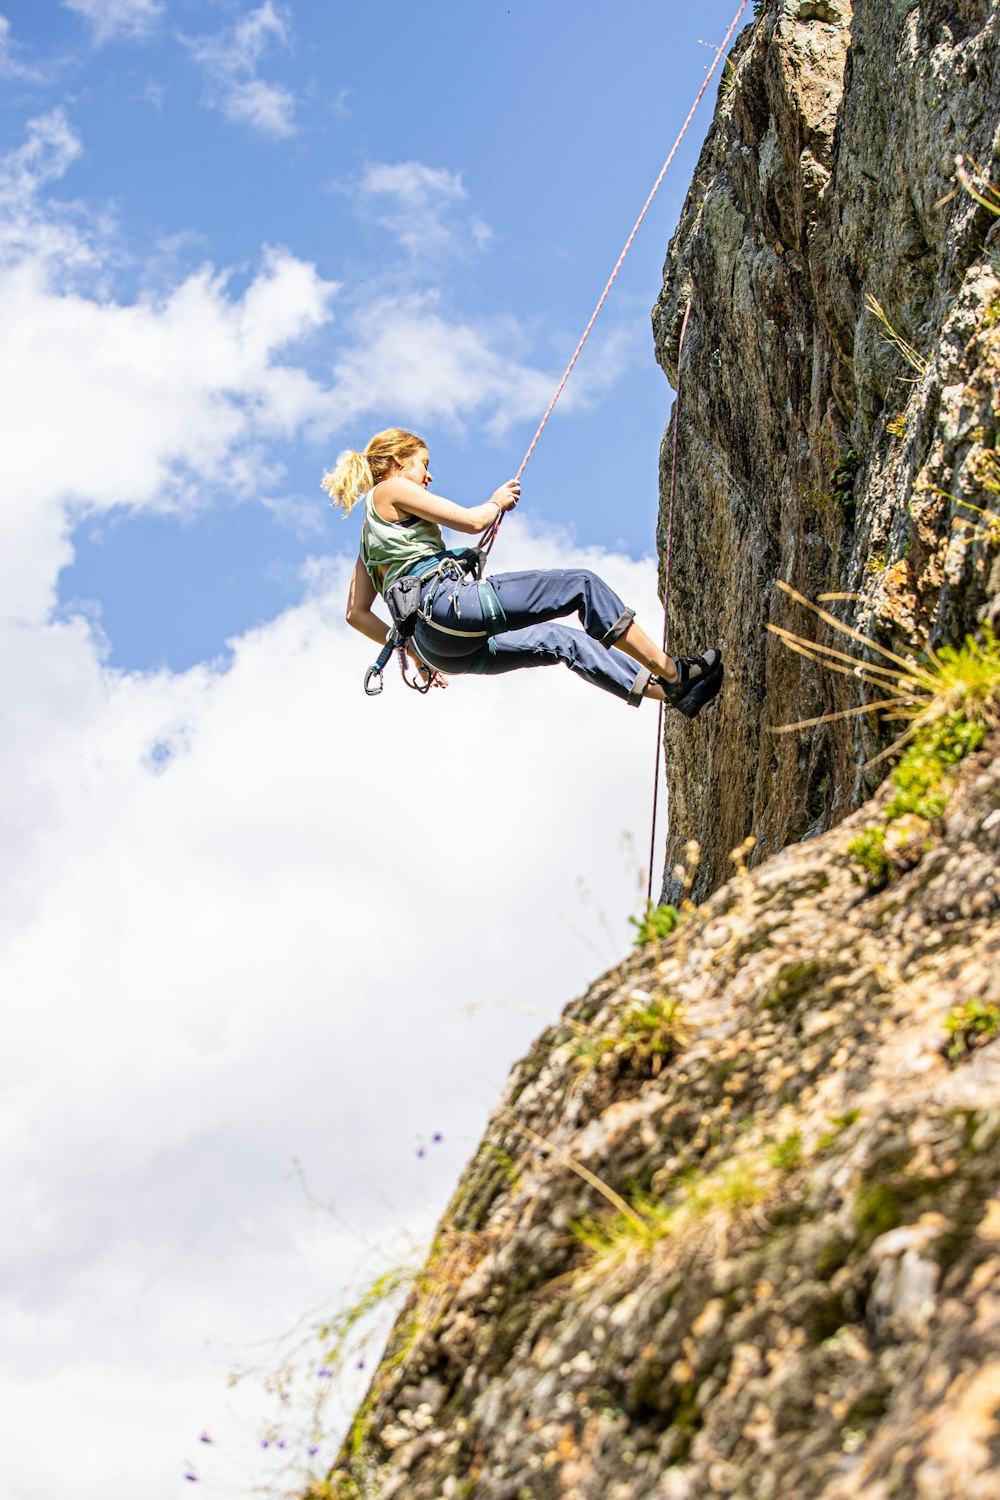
point(469, 624)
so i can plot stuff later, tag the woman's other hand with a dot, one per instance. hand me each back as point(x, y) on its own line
point(438, 679)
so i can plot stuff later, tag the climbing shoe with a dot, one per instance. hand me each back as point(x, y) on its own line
point(698, 681)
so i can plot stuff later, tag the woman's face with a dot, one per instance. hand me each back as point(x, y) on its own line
point(414, 466)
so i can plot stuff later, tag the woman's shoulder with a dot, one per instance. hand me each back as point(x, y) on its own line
point(378, 501)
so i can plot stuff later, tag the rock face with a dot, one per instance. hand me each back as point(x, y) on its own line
point(734, 1229)
point(809, 448)
point(798, 1291)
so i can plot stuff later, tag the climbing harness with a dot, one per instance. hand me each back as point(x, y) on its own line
point(403, 599)
point(489, 535)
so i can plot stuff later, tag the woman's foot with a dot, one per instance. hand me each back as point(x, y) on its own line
point(697, 681)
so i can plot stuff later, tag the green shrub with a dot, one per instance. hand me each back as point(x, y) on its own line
point(656, 923)
point(868, 853)
point(969, 1026)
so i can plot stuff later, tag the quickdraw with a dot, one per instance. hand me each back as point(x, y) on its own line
point(374, 682)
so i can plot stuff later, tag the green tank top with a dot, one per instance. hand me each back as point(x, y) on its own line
point(390, 548)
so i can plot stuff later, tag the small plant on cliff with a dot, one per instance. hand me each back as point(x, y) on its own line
point(976, 184)
point(842, 483)
point(868, 853)
point(838, 1124)
point(954, 679)
point(643, 1035)
point(988, 525)
point(969, 1026)
point(613, 1237)
point(655, 924)
point(649, 1033)
point(920, 789)
point(985, 475)
point(787, 1155)
point(913, 357)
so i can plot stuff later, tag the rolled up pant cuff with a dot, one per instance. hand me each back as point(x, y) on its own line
point(619, 628)
point(642, 678)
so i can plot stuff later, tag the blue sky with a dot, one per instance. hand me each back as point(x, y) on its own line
point(234, 238)
point(480, 164)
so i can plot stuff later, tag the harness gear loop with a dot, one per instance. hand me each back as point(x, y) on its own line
point(666, 596)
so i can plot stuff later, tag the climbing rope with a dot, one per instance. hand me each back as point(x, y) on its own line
point(489, 535)
point(666, 597)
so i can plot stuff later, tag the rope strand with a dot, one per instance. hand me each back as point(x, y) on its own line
point(666, 602)
point(489, 535)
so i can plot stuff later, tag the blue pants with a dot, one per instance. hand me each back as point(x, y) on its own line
point(466, 633)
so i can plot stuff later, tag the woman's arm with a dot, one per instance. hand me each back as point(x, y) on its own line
point(411, 499)
point(360, 599)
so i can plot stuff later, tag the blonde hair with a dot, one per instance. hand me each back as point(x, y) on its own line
point(354, 474)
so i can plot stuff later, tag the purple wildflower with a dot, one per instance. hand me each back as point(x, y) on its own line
point(437, 1137)
point(325, 1374)
point(191, 1478)
point(361, 1364)
point(312, 1452)
point(204, 1438)
point(421, 1150)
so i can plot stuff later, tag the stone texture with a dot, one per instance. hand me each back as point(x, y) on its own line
point(819, 1316)
point(827, 177)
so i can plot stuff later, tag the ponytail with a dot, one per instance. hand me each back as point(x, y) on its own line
point(350, 478)
point(354, 474)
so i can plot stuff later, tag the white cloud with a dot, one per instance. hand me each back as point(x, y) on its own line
point(110, 18)
point(402, 354)
point(231, 61)
point(49, 233)
point(405, 356)
point(417, 204)
point(218, 967)
point(150, 399)
point(11, 65)
point(203, 944)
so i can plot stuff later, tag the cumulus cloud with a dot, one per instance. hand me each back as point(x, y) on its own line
point(231, 62)
point(405, 356)
point(153, 400)
point(52, 234)
point(419, 206)
point(198, 929)
point(11, 65)
point(110, 18)
point(208, 952)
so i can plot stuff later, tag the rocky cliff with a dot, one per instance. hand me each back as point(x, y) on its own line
point(810, 449)
point(734, 1229)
